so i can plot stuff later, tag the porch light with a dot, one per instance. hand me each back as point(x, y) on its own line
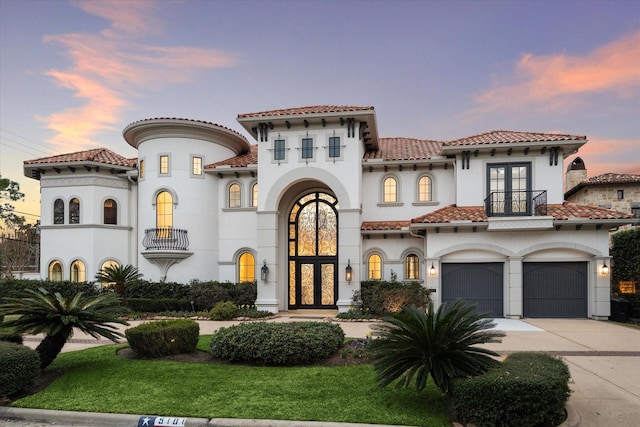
point(604, 269)
point(264, 271)
point(432, 269)
point(348, 271)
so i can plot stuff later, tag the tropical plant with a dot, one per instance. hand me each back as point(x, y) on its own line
point(57, 317)
point(120, 276)
point(415, 344)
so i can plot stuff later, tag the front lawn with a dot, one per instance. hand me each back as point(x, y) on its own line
point(98, 380)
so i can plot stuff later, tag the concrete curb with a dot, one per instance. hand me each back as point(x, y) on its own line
point(573, 417)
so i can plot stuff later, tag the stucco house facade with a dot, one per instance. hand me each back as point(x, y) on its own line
point(318, 202)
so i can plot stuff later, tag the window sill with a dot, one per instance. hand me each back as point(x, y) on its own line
point(241, 209)
point(425, 203)
point(390, 205)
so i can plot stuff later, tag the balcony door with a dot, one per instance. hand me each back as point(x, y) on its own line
point(509, 187)
point(313, 252)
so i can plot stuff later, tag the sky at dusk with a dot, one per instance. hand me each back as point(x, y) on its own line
point(73, 74)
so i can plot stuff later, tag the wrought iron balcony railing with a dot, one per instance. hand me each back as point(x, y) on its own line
point(168, 239)
point(516, 203)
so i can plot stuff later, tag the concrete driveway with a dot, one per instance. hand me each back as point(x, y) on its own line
point(603, 357)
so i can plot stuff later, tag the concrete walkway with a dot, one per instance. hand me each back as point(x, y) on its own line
point(603, 357)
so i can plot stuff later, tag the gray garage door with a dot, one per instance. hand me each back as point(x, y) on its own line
point(554, 289)
point(475, 283)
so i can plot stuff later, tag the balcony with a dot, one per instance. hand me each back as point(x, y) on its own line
point(516, 203)
point(165, 239)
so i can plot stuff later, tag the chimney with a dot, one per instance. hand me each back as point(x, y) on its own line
point(576, 173)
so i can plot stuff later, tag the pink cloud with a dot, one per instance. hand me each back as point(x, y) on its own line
point(112, 62)
point(551, 81)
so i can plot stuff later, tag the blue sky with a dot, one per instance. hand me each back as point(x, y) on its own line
point(73, 74)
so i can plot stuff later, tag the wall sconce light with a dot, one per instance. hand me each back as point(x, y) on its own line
point(432, 269)
point(348, 271)
point(604, 270)
point(264, 271)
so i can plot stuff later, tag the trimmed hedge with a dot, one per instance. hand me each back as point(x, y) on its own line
point(530, 389)
point(379, 297)
point(163, 337)
point(14, 288)
point(277, 344)
point(19, 367)
point(223, 311)
point(149, 305)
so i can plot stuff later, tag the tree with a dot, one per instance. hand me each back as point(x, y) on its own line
point(415, 344)
point(56, 316)
point(120, 276)
point(625, 250)
point(19, 249)
point(10, 192)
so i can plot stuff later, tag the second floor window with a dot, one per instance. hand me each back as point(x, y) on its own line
point(278, 149)
point(509, 186)
point(307, 148)
point(234, 196)
point(164, 164)
point(141, 169)
point(74, 211)
point(424, 189)
point(196, 167)
point(58, 211)
point(254, 195)
point(164, 210)
point(110, 212)
point(334, 146)
point(390, 194)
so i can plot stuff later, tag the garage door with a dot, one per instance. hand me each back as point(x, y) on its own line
point(474, 283)
point(554, 289)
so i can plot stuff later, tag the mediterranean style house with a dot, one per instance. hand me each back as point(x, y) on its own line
point(319, 202)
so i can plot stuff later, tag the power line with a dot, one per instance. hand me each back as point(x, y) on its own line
point(25, 138)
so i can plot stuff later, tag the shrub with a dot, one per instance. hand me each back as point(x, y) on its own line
point(15, 288)
point(157, 290)
point(245, 293)
point(378, 297)
point(250, 310)
point(10, 336)
point(223, 311)
point(261, 343)
point(150, 305)
point(19, 367)
point(415, 344)
point(164, 337)
point(529, 389)
point(634, 299)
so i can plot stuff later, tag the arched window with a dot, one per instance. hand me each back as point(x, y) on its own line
point(55, 271)
point(78, 272)
point(234, 195)
point(110, 211)
point(254, 195)
point(390, 190)
point(374, 265)
point(58, 211)
point(246, 267)
point(74, 211)
point(108, 263)
point(425, 193)
point(412, 267)
point(164, 214)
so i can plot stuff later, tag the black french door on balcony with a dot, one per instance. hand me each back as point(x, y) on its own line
point(509, 186)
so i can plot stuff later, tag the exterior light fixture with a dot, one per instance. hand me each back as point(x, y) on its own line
point(432, 269)
point(348, 271)
point(604, 269)
point(264, 271)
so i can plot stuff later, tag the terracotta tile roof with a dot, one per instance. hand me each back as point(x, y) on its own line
point(569, 210)
point(511, 137)
point(453, 213)
point(559, 212)
point(96, 155)
point(384, 225)
point(604, 179)
point(241, 161)
point(404, 149)
point(178, 119)
point(314, 109)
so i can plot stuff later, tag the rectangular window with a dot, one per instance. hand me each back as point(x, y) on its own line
point(509, 186)
point(196, 165)
point(307, 148)
point(141, 173)
point(334, 146)
point(164, 164)
point(278, 149)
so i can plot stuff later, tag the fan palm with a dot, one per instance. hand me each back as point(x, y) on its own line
point(120, 276)
point(57, 317)
point(415, 344)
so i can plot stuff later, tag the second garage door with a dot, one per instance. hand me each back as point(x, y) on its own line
point(475, 283)
point(554, 289)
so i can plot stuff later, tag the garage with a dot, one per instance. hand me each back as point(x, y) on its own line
point(555, 289)
point(475, 283)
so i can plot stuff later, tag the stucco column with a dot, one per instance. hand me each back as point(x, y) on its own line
point(269, 291)
point(513, 291)
point(349, 250)
point(601, 298)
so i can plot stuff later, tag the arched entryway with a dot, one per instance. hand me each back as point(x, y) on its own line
point(313, 251)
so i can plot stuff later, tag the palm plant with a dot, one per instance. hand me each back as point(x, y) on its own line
point(57, 317)
point(415, 344)
point(120, 276)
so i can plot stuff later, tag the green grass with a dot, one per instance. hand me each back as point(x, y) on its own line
point(97, 380)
